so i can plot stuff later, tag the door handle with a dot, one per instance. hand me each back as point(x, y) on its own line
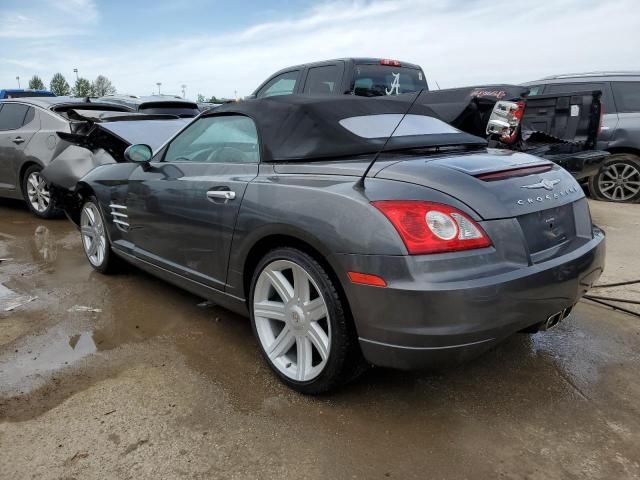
point(222, 194)
point(18, 140)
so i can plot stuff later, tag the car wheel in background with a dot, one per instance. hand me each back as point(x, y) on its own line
point(301, 323)
point(37, 194)
point(95, 241)
point(618, 180)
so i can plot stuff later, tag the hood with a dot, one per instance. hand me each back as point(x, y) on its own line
point(495, 183)
point(103, 143)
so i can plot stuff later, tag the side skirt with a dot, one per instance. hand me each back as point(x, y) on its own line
point(230, 302)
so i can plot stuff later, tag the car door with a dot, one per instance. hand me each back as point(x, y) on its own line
point(18, 124)
point(182, 208)
point(283, 84)
point(627, 98)
point(324, 79)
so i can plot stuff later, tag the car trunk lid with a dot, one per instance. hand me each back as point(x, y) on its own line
point(502, 184)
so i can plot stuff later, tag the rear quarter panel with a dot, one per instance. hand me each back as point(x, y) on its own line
point(324, 211)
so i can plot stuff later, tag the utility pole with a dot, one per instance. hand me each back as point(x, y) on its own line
point(18, 78)
point(158, 83)
point(75, 70)
point(183, 91)
point(236, 94)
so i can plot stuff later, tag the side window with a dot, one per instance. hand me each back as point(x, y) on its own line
point(535, 90)
point(283, 84)
point(627, 96)
point(323, 79)
point(30, 115)
point(12, 116)
point(218, 139)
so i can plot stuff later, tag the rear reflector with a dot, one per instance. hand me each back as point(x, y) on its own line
point(390, 63)
point(514, 172)
point(367, 279)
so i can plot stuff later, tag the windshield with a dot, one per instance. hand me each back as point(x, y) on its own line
point(380, 80)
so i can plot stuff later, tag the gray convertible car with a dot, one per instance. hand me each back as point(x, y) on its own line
point(350, 230)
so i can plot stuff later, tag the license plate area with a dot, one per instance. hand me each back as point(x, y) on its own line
point(548, 228)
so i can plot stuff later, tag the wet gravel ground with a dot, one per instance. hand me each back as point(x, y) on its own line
point(127, 377)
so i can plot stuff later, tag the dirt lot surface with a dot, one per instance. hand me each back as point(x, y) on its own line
point(127, 377)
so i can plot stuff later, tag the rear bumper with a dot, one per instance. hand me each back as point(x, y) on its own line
point(419, 323)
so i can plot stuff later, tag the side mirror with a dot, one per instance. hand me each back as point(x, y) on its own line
point(139, 153)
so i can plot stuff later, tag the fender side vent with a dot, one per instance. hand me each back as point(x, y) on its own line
point(119, 216)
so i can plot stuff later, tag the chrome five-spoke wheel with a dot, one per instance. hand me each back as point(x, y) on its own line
point(292, 320)
point(93, 234)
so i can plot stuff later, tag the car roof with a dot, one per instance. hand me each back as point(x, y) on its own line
point(23, 90)
point(47, 102)
point(304, 127)
point(356, 60)
point(589, 76)
point(139, 100)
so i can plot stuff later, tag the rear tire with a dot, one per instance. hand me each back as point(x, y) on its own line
point(37, 194)
point(94, 238)
point(301, 324)
point(618, 180)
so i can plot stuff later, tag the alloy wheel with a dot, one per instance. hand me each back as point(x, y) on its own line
point(619, 182)
point(38, 193)
point(292, 320)
point(92, 231)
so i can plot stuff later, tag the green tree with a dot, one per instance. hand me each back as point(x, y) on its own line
point(36, 83)
point(82, 88)
point(201, 98)
point(59, 85)
point(102, 86)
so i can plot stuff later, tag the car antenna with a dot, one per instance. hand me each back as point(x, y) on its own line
point(360, 183)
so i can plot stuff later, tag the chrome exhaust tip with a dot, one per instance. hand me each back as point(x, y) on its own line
point(552, 320)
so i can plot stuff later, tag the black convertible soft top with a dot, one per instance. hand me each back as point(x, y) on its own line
point(296, 127)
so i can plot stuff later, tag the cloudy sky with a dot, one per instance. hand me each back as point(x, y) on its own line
point(216, 47)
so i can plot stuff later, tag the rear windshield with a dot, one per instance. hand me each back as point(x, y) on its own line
point(181, 110)
point(29, 94)
point(380, 80)
point(381, 126)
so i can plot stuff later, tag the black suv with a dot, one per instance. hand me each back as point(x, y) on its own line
point(619, 178)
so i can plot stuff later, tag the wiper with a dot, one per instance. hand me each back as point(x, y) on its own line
point(360, 183)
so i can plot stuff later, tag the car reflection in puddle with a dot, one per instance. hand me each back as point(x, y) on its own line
point(46, 247)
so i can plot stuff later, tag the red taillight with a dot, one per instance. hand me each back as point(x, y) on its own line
point(390, 63)
point(367, 279)
point(514, 172)
point(427, 227)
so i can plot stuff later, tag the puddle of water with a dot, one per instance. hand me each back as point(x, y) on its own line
point(32, 362)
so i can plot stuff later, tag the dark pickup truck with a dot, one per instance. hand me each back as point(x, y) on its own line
point(562, 128)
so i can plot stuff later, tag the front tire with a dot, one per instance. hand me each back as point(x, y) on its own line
point(37, 194)
point(618, 180)
point(301, 323)
point(94, 238)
